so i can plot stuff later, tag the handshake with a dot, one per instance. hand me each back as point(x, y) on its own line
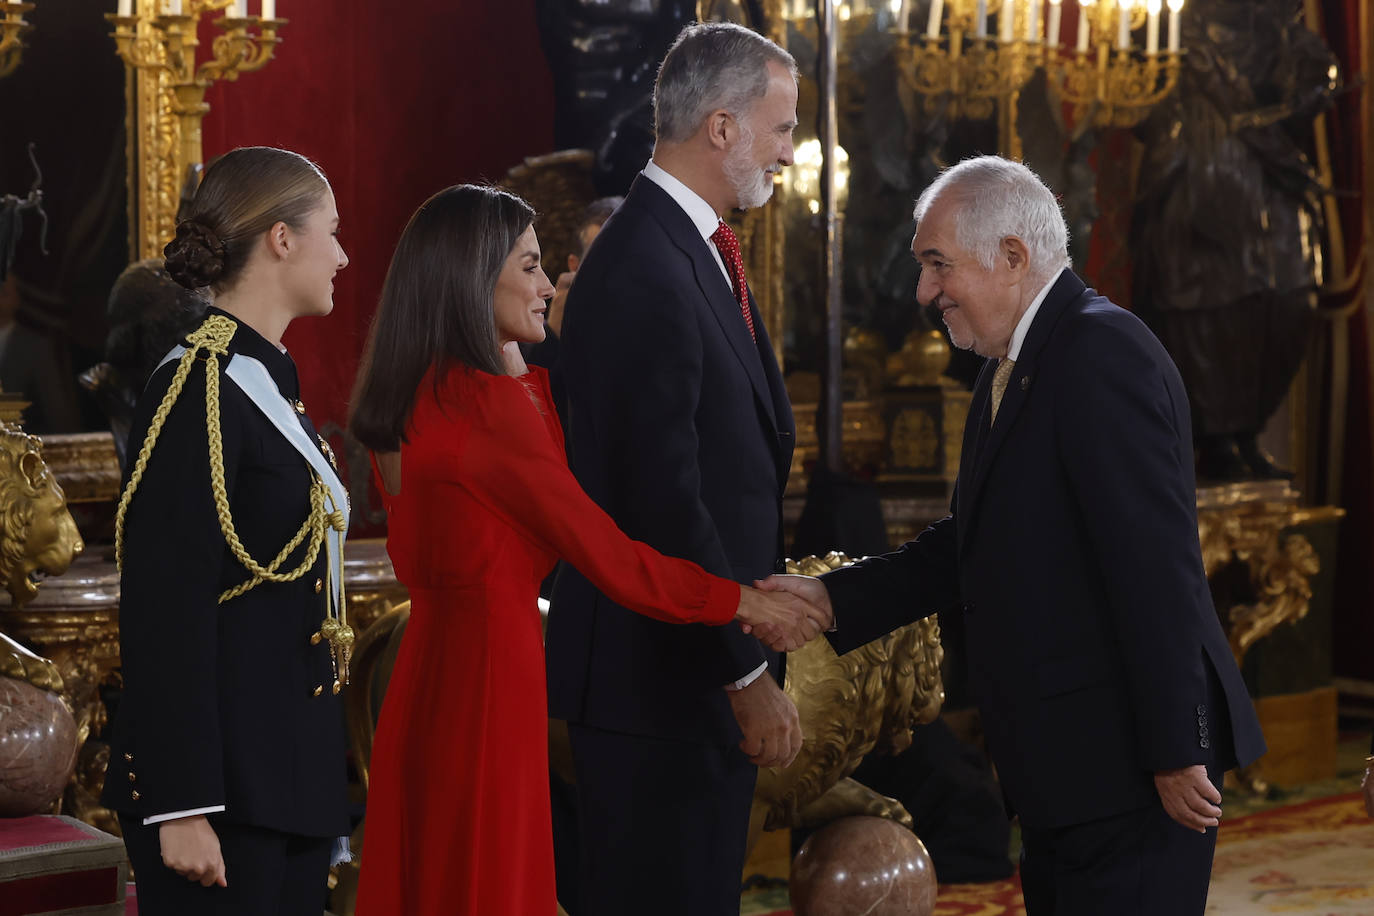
point(786, 612)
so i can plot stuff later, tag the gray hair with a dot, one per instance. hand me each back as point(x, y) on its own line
point(712, 65)
point(1001, 199)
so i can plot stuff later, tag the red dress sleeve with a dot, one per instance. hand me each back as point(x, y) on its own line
point(508, 460)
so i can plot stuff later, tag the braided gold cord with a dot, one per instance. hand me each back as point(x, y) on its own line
point(214, 336)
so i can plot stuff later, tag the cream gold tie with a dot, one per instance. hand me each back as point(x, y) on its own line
point(999, 384)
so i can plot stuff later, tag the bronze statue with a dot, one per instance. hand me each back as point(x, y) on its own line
point(1226, 227)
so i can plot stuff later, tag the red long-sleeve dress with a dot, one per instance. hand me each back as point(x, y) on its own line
point(458, 817)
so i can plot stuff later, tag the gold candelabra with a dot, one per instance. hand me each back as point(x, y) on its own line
point(1108, 79)
point(12, 26)
point(167, 98)
point(973, 55)
point(961, 68)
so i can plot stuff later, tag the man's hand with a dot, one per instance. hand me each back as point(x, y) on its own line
point(554, 316)
point(807, 588)
point(1367, 786)
point(191, 849)
point(768, 718)
point(1189, 797)
point(782, 620)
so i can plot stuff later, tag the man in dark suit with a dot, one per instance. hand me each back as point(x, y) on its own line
point(1111, 703)
point(680, 428)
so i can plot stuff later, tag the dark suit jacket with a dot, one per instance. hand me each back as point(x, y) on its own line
point(219, 704)
point(680, 428)
point(1095, 653)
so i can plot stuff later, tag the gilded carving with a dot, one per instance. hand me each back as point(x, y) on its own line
point(849, 705)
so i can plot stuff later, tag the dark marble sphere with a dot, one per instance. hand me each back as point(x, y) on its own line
point(37, 748)
point(863, 865)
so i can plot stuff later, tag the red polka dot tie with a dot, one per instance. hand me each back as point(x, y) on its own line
point(728, 246)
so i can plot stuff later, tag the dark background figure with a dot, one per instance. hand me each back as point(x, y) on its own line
point(1226, 228)
point(148, 314)
point(32, 366)
point(604, 56)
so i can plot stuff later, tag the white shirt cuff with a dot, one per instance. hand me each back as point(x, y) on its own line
point(174, 815)
point(748, 679)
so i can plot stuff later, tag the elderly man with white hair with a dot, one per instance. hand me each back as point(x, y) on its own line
point(1110, 700)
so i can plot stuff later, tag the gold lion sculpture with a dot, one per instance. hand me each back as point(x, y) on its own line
point(38, 538)
point(850, 705)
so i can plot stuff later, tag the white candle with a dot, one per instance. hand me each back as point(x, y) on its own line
point(903, 13)
point(1033, 21)
point(1085, 15)
point(126, 8)
point(1175, 12)
point(1123, 30)
point(174, 7)
point(269, 9)
point(1056, 12)
point(232, 11)
point(980, 20)
point(1152, 28)
point(1006, 23)
point(937, 7)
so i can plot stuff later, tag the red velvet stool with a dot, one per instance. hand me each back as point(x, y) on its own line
point(59, 866)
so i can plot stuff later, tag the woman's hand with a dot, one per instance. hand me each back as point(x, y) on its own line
point(190, 848)
point(780, 619)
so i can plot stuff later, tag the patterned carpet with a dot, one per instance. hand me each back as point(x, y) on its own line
point(1313, 858)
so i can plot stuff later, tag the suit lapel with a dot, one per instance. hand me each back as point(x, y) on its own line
point(714, 288)
point(989, 439)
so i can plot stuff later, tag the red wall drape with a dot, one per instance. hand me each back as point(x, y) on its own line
point(395, 102)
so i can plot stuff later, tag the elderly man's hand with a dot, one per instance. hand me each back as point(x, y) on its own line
point(1189, 797)
point(807, 588)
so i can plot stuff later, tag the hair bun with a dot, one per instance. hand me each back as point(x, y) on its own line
point(195, 257)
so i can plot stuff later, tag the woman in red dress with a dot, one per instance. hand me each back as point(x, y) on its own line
point(480, 506)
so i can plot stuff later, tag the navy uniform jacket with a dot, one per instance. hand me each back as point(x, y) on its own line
point(219, 704)
point(1094, 650)
point(680, 428)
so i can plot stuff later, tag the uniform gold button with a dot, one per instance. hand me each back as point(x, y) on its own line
point(337, 687)
point(132, 777)
point(134, 794)
point(319, 689)
point(319, 586)
point(300, 408)
point(128, 758)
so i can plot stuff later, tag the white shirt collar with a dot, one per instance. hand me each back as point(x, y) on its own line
point(702, 214)
point(1018, 336)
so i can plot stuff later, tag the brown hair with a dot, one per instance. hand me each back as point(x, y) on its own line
point(245, 192)
point(436, 305)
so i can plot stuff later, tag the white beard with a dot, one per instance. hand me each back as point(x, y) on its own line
point(753, 185)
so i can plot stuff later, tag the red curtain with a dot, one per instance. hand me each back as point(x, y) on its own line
point(394, 101)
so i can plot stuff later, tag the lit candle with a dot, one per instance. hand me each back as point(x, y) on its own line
point(1006, 23)
point(903, 14)
point(174, 7)
point(1033, 21)
point(1123, 30)
point(1056, 11)
point(1175, 12)
point(937, 7)
point(126, 8)
point(1152, 27)
point(980, 20)
point(1085, 15)
point(232, 11)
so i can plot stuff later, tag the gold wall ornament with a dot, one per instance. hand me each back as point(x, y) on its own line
point(166, 99)
point(12, 27)
point(850, 705)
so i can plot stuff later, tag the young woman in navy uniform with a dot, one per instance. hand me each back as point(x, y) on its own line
point(227, 765)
